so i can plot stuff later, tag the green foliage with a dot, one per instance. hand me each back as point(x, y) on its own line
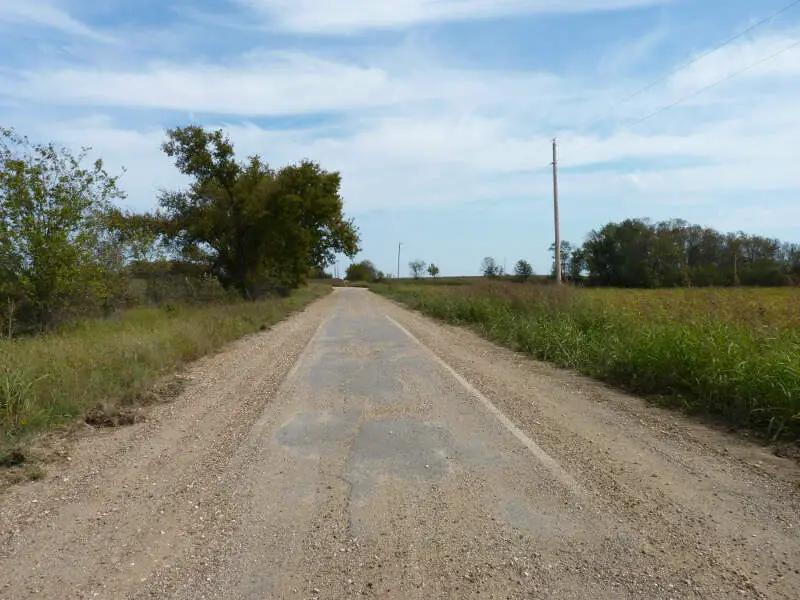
point(417, 268)
point(637, 253)
point(138, 235)
point(259, 228)
point(362, 271)
point(163, 281)
point(705, 354)
point(523, 270)
point(57, 258)
point(566, 255)
point(318, 273)
point(490, 268)
point(433, 270)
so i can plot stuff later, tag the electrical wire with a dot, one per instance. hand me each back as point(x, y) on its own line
point(701, 56)
point(715, 83)
point(693, 61)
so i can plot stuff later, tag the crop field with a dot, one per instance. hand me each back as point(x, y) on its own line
point(731, 354)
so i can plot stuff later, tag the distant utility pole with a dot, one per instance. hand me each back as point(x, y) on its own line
point(555, 213)
point(398, 259)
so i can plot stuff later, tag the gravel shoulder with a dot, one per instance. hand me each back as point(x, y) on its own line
point(335, 457)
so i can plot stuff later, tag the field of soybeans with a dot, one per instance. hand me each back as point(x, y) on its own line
point(730, 354)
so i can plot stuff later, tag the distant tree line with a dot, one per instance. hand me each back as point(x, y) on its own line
point(636, 253)
point(241, 228)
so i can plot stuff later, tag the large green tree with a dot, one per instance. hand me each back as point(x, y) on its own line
point(258, 227)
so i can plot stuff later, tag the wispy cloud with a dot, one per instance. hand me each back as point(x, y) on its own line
point(280, 83)
point(324, 16)
point(26, 12)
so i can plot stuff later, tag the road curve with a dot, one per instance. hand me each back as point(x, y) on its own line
point(360, 450)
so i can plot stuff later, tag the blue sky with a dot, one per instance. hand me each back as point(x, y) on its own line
point(438, 113)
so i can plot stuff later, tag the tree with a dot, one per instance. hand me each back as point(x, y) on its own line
point(577, 264)
point(56, 254)
point(257, 227)
point(363, 271)
point(433, 270)
point(490, 268)
point(622, 254)
point(523, 270)
point(636, 253)
point(138, 235)
point(566, 255)
point(417, 268)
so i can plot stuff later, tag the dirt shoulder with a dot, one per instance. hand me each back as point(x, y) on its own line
point(126, 499)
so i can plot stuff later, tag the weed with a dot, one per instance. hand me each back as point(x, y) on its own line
point(35, 471)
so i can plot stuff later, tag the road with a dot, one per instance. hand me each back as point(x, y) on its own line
point(361, 450)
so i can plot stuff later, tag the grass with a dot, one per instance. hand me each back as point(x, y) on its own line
point(732, 354)
point(54, 379)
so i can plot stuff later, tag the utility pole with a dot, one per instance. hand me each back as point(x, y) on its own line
point(555, 213)
point(398, 259)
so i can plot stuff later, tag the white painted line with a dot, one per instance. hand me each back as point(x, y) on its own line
point(547, 461)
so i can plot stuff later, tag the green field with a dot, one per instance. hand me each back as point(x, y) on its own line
point(54, 379)
point(732, 354)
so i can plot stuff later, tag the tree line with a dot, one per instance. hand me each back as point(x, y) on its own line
point(637, 253)
point(368, 272)
point(240, 229)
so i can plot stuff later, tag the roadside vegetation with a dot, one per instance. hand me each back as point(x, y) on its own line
point(730, 354)
point(110, 365)
point(97, 303)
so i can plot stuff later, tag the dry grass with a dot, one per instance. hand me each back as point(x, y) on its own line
point(55, 379)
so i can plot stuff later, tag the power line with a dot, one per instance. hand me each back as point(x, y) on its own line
point(699, 91)
point(701, 56)
point(691, 62)
point(716, 83)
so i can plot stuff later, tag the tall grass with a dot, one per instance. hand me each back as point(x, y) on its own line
point(730, 354)
point(53, 379)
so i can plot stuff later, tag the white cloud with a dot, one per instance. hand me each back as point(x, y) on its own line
point(280, 83)
point(21, 12)
point(326, 16)
point(415, 133)
point(285, 85)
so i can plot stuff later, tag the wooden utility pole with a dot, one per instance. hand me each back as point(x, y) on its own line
point(555, 208)
point(398, 259)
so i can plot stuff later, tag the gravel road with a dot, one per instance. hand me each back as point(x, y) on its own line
point(361, 450)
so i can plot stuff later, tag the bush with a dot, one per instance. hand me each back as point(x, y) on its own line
point(57, 257)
